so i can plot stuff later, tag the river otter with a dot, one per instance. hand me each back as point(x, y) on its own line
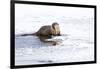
point(47, 30)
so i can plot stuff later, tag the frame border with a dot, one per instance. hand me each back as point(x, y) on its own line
point(12, 35)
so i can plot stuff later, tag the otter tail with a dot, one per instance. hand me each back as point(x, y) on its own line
point(28, 34)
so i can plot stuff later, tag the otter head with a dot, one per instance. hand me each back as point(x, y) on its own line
point(56, 29)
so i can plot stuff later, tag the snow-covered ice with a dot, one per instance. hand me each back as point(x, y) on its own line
point(77, 45)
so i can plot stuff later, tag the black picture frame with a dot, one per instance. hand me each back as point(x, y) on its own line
point(12, 33)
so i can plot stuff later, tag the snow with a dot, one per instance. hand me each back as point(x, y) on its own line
point(76, 45)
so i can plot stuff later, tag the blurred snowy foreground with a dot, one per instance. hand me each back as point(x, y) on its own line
point(77, 23)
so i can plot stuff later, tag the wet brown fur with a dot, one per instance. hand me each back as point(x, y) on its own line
point(48, 30)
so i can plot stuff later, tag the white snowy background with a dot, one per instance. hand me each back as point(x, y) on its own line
point(77, 23)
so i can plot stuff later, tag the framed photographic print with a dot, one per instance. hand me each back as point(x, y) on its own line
point(52, 34)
